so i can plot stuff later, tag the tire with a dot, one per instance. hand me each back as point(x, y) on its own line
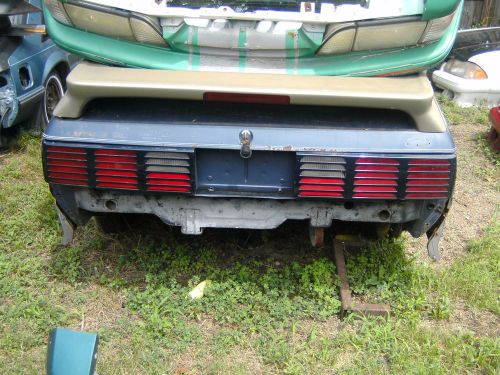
point(112, 223)
point(54, 91)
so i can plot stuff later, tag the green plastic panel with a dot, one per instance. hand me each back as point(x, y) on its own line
point(122, 53)
point(71, 352)
point(439, 8)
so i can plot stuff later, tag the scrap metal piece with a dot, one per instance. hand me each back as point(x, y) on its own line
point(434, 235)
point(67, 227)
point(13, 7)
point(71, 352)
point(347, 303)
point(317, 236)
point(9, 106)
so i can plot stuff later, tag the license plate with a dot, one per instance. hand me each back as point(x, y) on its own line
point(225, 172)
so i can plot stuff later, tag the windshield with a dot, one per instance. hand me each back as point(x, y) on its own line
point(248, 6)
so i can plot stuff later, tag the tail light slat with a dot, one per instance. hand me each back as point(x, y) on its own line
point(321, 187)
point(429, 176)
point(69, 182)
point(376, 161)
point(392, 182)
point(116, 166)
point(67, 150)
point(67, 170)
point(115, 185)
point(319, 174)
point(164, 169)
point(68, 176)
point(169, 183)
point(169, 176)
point(375, 195)
point(322, 167)
point(116, 159)
point(125, 153)
point(427, 183)
point(66, 156)
point(377, 168)
point(426, 195)
point(169, 188)
point(121, 180)
point(67, 163)
point(423, 189)
point(328, 194)
point(437, 162)
point(115, 173)
point(428, 169)
point(389, 176)
point(322, 181)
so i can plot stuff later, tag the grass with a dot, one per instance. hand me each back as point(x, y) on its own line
point(456, 115)
point(271, 304)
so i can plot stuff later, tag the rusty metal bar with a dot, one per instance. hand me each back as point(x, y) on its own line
point(378, 309)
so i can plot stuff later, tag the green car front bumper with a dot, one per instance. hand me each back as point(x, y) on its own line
point(112, 51)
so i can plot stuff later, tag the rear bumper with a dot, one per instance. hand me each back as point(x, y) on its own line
point(193, 214)
point(214, 194)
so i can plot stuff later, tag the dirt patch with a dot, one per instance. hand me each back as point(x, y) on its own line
point(103, 310)
point(464, 319)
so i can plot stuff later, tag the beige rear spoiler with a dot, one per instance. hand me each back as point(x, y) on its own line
point(413, 95)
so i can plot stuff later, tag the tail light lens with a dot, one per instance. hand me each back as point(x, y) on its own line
point(319, 176)
point(322, 176)
point(428, 178)
point(168, 171)
point(119, 169)
point(67, 166)
point(116, 169)
point(376, 178)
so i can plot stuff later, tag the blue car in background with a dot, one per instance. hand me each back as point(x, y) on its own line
point(33, 69)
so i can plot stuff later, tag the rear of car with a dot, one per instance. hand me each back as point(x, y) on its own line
point(231, 150)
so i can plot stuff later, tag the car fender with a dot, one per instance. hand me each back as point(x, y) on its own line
point(55, 58)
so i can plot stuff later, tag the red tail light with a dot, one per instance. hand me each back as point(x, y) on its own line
point(245, 98)
point(322, 176)
point(116, 169)
point(495, 115)
point(67, 165)
point(428, 178)
point(376, 178)
point(168, 171)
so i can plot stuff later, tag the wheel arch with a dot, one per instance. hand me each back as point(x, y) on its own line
point(58, 62)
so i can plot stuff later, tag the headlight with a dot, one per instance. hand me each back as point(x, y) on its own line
point(375, 35)
point(56, 8)
point(107, 21)
point(465, 69)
